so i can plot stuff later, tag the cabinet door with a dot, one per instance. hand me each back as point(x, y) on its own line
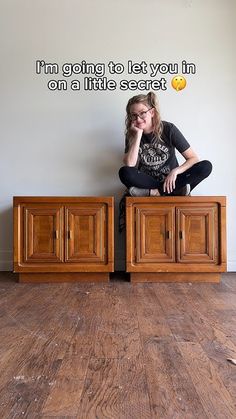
point(154, 233)
point(43, 231)
point(197, 234)
point(86, 233)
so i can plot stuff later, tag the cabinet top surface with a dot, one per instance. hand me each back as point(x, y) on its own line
point(130, 200)
point(62, 199)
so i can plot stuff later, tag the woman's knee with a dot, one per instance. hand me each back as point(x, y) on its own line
point(202, 168)
point(206, 167)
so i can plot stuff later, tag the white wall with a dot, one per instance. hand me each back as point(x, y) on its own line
point(71, 143)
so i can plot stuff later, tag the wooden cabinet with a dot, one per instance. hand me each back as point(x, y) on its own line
point(175, 238)
point(63, 238)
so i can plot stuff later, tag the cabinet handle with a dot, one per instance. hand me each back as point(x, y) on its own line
point(56, 234)
point(181, 235)
point(168, 234)
point(69, 234)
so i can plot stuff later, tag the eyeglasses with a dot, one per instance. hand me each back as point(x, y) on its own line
point(141, 115)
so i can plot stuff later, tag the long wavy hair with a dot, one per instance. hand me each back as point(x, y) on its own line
point(149, 100)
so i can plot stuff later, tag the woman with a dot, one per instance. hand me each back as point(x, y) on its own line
point(150, 164)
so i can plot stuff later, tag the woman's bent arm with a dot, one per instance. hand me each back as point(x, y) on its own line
point(130, 158)
point(191, 158)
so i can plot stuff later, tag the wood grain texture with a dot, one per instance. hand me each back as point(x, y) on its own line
point(171, 390)
point(217, 403)
point(68, 385)
point(115, 388)
point(117, 350)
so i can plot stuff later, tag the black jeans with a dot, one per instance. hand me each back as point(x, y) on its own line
point(131, 176)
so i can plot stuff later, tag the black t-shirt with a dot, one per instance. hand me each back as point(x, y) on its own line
point(157, 157)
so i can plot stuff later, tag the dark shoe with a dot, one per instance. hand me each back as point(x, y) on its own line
point(185, 191)
point(134, 191)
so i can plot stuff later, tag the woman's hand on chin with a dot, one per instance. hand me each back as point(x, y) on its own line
point(136, 130)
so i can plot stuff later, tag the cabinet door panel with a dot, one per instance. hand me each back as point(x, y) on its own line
point(154, 233)
point(43, 227)
point(86, 233)
point(197, 230)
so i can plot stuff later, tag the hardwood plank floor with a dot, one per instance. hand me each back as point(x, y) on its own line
point(117, 350)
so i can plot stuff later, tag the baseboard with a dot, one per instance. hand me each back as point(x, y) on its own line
point(6, 260)
point(231, 266)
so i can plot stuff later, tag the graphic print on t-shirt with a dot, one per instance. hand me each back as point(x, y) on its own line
point(153, 158)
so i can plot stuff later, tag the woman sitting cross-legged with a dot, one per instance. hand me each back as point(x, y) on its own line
point(150, 164)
